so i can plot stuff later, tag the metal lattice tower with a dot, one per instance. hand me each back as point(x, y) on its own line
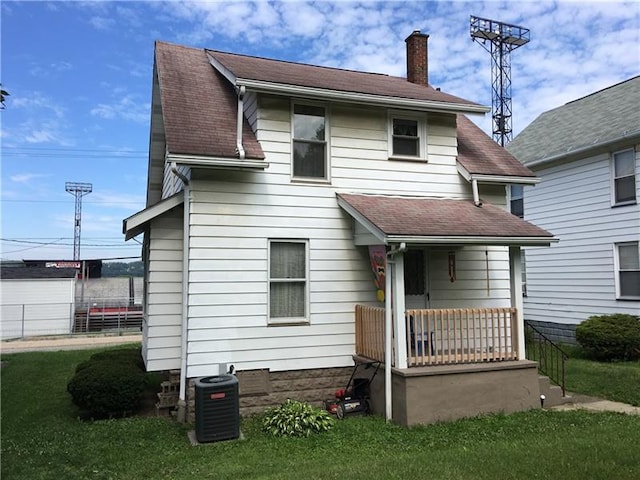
point(499, 39)
point(78, 190)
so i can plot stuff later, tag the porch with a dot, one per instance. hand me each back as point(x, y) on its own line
point(442, 336)
point(460, 363)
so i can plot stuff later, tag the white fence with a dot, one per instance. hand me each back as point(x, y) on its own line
point(28, 320)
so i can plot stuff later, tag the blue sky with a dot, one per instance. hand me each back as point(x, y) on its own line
point(79, 78)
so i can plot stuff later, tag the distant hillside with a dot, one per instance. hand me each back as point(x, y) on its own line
point(122, 269)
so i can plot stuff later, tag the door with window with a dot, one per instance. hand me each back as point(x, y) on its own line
point(416, 293)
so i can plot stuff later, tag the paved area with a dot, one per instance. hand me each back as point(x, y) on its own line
point(49, 344)
point(584, 402)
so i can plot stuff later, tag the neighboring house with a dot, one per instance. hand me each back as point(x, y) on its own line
point(276, 193)
point(587, 154)
point(36, 301)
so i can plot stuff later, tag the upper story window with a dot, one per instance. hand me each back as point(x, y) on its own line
point(407, 136)
point(310, 155)
point(628, 270)
point(516, 200)
point(288, 285)
point(624, 177)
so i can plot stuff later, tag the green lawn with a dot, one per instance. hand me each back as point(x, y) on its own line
point(42, 438)
point(618, 381)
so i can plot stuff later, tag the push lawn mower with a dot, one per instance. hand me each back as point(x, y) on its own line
point(355, 399)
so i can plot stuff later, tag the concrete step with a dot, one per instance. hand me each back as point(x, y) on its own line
point(552, 393)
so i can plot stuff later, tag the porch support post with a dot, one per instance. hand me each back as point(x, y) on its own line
point(399, 325)
point(515, 280)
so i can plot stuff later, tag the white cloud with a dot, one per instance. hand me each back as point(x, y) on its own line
point(27, 177)
point(35, 101)
point(126, 108)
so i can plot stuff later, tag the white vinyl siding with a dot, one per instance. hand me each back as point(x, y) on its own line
point(161, 327)
point(575, 278)
point(233, 213)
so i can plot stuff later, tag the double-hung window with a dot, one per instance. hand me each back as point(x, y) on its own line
point(288, 281)
point(310, 155)
point(624, 177)
point(628, 270)
point(407, 136)
point(516, 200)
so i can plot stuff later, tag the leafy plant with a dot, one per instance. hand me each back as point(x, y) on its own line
point(296, 419)
point(111, 383)
point(610, 337)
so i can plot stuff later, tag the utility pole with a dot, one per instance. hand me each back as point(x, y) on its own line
point(78, 190)
point(499, 39)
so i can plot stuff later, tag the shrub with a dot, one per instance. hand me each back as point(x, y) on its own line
point(105, 389)
point(610, 337)
point(296, 419)
point(132, 356)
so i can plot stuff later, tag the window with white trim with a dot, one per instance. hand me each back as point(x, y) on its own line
point(407, 136)
point(310, 149)
point(516, 200)
point(628, 270)
point(624, 177)
point(288, 281)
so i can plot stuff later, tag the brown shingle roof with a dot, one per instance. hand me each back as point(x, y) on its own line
point(429, 217)
point(289, 73)
point(199, 106)
point(480, 155)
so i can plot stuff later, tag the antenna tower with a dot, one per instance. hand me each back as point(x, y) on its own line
point(499, 39)
point(78, 190)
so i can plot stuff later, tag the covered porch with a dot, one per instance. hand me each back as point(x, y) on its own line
point(448, 325)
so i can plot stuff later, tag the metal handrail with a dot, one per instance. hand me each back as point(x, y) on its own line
point(550, 357)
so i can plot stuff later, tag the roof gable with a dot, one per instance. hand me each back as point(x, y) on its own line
point(199, 106)
point(603, 117)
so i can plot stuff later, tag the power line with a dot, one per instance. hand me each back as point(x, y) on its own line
point(62, 201)
point(43, 244)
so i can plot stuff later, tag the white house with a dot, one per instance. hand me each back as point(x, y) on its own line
point(278, 193)
point(36, 301)
point(587, 154)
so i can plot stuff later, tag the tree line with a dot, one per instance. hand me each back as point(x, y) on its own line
point(122, 269)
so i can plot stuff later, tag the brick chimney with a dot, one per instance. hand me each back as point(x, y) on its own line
point(417, 58)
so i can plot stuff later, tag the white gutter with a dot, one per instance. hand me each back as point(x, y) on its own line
point(471, 240)
point(182, 396)
point(485, 178)
point(358, 97)
point(217, 162)
point(388, 328)
point(241, 92)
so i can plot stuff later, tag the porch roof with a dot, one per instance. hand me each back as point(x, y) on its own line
point(420, 220)
point(136, 223)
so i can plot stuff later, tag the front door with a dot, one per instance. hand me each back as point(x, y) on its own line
point(416, 292)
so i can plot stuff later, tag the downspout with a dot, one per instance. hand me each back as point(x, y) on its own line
point(182, 398)
point(388, 327)
point(241, 92)
point(476, 193)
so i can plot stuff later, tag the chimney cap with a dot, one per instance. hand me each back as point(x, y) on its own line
point(416, 33)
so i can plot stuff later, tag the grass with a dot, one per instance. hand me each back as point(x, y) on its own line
point(617, 381)
point(43, 439)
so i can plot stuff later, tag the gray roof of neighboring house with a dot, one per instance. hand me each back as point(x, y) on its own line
point(589, 123)
point(26, 273)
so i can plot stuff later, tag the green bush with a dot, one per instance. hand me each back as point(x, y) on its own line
point(111, 383)
point(105, 389)
point(296, 419)
point(610, 337)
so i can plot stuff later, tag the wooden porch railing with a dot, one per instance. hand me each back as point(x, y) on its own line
point(461, 335)
point(443, 336)
point(370, 332)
